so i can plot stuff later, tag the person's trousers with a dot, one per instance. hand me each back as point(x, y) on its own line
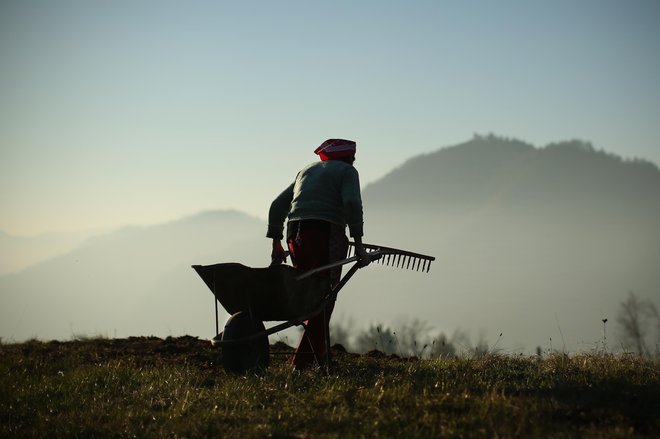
point(314, 243)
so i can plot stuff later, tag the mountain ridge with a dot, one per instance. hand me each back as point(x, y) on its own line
point(516, 173)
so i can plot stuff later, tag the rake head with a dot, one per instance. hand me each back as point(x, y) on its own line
point(394, 257)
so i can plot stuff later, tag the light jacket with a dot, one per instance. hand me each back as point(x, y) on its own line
point(326, 190)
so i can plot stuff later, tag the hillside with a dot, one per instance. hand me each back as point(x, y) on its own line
point(152, 387)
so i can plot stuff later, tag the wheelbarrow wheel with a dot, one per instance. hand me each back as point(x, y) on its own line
point(245, 357)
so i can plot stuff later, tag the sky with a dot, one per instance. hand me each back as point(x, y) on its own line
point(139, 112)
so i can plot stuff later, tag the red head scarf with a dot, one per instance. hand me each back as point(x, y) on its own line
point(333, 149)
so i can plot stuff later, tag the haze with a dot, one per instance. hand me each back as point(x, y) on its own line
point(147, 113)
point(537, 244)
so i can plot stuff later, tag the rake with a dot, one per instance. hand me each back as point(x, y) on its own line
point(380, 254)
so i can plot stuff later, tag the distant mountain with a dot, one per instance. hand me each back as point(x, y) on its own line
point(19, 252)
point(539, 244)
point(133, 280)
point(514, 176)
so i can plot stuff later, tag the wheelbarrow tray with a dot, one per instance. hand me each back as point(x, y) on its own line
point(268, 294)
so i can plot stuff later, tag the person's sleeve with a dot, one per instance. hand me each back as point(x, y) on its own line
point(279, 209)
point(352, 200)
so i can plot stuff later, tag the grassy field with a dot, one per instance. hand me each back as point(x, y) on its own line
point(150, 387)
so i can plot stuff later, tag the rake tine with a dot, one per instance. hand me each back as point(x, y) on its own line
point(423, 265)
point(417, 267)
point(408, 265)
point(388, 260)
point(398, 260)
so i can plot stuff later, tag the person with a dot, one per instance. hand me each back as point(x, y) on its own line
point(319, 204)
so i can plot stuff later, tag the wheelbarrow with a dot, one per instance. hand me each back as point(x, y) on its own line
point(281, 293)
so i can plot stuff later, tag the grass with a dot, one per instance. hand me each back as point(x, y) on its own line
point(149, 387)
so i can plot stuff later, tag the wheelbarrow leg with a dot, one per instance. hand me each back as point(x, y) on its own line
point(326, 331)
point(217, 326)
point(215, 301)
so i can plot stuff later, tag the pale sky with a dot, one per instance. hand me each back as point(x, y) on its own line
point(132, 112)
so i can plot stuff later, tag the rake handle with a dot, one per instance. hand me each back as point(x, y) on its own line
point(372, 255)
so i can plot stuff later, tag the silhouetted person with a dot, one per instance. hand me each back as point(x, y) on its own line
point(319, 204)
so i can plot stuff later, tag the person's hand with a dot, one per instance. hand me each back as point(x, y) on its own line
point(363, 256)
point(278, 255)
